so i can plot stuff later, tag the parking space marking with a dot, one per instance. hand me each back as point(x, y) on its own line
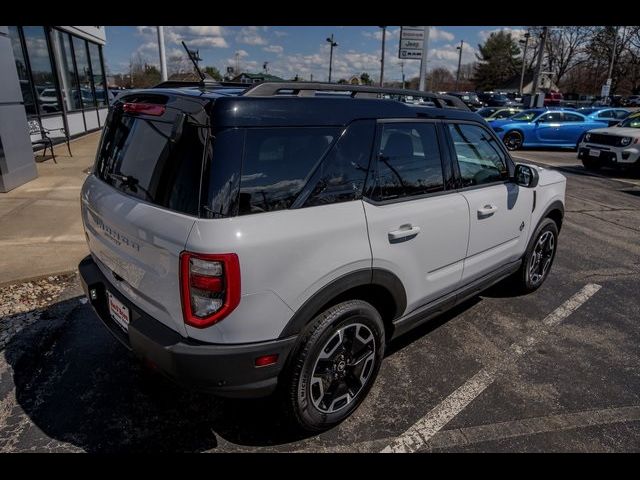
point(535, 425)
point(459, 437)
point(418, 435)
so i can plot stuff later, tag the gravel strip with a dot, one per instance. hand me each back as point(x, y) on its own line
point(22, 304)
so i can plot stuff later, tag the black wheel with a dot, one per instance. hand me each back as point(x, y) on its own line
point(334, 365)
point(513, 140)
point(590, 164)
point(539, 257)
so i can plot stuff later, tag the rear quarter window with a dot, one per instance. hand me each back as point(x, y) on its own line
point(277, 164)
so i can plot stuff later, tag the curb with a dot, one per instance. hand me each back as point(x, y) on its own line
point(38, 277)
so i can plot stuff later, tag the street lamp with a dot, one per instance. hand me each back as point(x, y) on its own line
point(333, 44)
point(459, 62)
point(524, 59)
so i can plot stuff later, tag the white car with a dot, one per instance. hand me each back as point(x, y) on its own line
point(262, 242)
point(614, 146)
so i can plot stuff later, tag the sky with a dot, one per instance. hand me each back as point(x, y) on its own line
point(296, 50)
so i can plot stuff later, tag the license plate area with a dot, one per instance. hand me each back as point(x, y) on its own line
point(118, 311)
point(594, 153)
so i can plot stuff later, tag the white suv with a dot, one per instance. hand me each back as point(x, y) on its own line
point(247, 240)
point(614, 146)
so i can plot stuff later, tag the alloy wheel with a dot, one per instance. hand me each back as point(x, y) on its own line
point(541, 257)
point(344, 366)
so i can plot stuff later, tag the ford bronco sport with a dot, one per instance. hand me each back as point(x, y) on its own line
point(246, 241)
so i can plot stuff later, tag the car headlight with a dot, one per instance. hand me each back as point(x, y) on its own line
point(625, 141)
point(587, 137)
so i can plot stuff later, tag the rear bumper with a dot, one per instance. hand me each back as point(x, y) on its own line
point(226, 370)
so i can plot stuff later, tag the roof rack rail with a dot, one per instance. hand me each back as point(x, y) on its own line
point(309, 89)
point(190, 83)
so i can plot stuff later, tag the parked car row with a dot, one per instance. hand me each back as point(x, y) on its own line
point(614, 146)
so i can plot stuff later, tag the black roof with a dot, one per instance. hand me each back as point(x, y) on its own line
point(281, 111)
point(261, 106)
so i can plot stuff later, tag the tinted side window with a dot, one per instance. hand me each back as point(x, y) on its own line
point(479, 156)
point(341, 175)
point(408, 162)
point(570, 117)
point(277, 164)
point(552, 117)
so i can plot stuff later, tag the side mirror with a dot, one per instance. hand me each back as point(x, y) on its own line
point(526, 176)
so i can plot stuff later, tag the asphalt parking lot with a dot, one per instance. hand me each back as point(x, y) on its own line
point(554, 371)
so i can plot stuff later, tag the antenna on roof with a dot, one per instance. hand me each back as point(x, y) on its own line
point(193, 56)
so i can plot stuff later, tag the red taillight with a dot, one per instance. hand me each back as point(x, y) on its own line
point(209, 287)
point(144, 108)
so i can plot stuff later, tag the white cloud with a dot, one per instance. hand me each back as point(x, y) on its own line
point(436, 34)
point(250, 36)
point(279, 33)
point(377, 34)
point(217, 42)
point(274, 49)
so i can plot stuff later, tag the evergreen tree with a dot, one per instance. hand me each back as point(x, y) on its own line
point(499, 60)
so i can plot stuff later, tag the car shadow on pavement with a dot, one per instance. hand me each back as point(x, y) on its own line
point(77, 384)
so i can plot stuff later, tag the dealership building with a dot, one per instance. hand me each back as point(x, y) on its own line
point(51, 78)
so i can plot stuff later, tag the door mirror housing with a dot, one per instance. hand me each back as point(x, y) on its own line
point(526, 176)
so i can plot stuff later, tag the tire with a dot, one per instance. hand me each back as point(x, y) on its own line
point(529, 278)
point(590, 165)
point(513, 140)
point(334, 365)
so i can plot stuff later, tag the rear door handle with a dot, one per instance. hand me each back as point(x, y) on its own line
point(405, 232)
point(487, 211)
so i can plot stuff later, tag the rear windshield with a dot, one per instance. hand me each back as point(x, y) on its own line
point(139, 157)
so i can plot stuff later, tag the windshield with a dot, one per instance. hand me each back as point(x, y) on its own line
point(526, 116)
point(588, 111)
point(486, 111)
point(633, 122)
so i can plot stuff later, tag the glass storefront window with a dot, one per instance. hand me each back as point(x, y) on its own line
point(98, 74)
point(41, 70)
point(23, 74)
point(84, 73)
point(68, 77)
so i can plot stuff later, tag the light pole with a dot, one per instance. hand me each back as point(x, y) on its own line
point(536, 77)
point(524, 60)
point(613, 57)
point(459, 62)
point(163, 59)
point(333, 44)
point(402, 69)
point(384, 34)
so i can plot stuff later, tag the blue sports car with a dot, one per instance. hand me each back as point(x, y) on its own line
point(540, 127)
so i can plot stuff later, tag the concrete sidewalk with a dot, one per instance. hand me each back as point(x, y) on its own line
point(40, 225)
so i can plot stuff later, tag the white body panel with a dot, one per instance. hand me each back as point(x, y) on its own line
point(429, 264)
point(285, 257)
point(139, 242)
point(500, 235)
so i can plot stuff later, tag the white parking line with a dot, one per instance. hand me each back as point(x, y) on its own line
point(418, 435)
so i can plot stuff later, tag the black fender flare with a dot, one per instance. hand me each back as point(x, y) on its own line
point(357, 278)
point(555, 205)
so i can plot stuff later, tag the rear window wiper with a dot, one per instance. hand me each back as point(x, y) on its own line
point(132, 183)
